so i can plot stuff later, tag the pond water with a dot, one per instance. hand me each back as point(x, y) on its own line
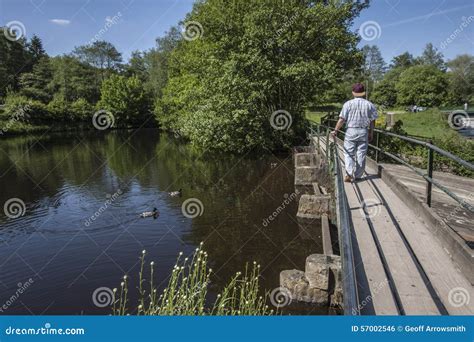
point(65, 180)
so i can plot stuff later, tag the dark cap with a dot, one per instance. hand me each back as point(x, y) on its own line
point(358, 89)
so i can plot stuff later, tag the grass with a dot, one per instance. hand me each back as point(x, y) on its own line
point(429, 124)
point(315, 116)
point(187, 291)
point(315, 113)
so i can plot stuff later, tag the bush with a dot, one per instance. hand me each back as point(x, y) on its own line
point(125, 98)
point(60, 109)
point(21, 109)
point(81, 109)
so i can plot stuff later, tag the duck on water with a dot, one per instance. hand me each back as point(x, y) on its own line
point(155, 213)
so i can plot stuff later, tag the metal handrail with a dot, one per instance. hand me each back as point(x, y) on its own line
point(429, 175)
point(344, 225)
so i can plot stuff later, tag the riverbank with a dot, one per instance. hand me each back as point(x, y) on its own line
point(11, 128)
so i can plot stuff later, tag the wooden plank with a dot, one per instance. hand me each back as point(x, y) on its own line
point(414, 294)
point(442, 273)
point(375, 296)
point(316, 189)
point(373, 283)
point(326, 235)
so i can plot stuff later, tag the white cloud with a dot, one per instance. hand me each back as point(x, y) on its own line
point(62, 22)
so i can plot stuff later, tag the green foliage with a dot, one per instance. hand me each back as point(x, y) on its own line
point(37, 83)
point(460, 147)
point(434, 126)
point(81, 109)
point(461, 80)
point(73, 80)
point(187, 292)
point(374, 65)
point(59, 109)
point(269, 55)
point(423, 85)
point(13, 58)
point(431, 56)
point(25, 109)
point(101, 55)
point(125, 98)
point(157, 61)
point(405, 60)
point(385, 93)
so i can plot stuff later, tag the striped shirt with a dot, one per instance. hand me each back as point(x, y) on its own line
point(358, 113)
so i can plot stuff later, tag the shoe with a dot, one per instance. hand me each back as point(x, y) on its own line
point(348, 179)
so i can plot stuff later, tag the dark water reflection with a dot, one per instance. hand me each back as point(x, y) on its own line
point(66, 179)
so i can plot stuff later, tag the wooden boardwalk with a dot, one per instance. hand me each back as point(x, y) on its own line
point(401, 267)
point(458, 218)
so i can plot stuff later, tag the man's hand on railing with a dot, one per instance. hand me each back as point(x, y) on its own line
point(334, 134)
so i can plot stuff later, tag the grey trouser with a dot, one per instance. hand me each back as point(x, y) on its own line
point(355, 151)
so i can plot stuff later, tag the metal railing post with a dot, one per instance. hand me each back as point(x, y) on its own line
point(327, 144)
point(377, 145)
point(319, 131)
point(429, 184)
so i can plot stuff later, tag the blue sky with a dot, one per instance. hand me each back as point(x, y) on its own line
point(400, 25)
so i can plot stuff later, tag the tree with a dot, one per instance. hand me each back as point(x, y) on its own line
point(35, 51)
point(137, 66)
point(461, 79)
point(251, 62)
point(13, 62)
point(126, 99)
point(101, 55)
point(431, 56)
point(74, 80)
point(405, 60)
point(422, 85)
point(37, 83)
point(385, 93)
point(157, 61)
point(374, 65)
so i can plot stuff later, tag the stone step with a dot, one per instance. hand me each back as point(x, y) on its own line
point(320, 283)
point(313, 206)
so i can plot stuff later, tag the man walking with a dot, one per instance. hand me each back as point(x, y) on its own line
point(359, 116)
